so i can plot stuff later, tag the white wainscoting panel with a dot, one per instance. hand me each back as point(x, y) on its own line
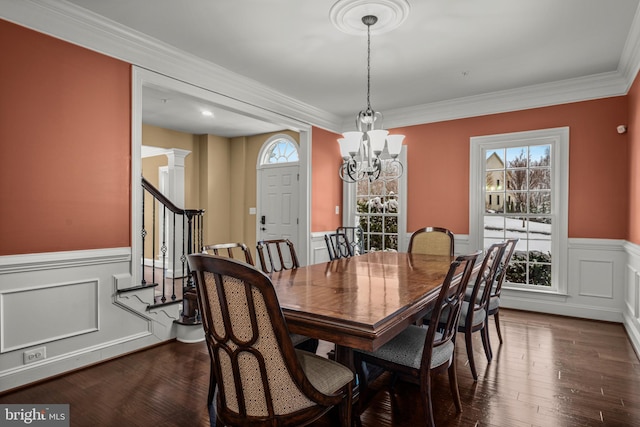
point(319, 252)
point(595, 284)
point(38, 315)
point(595, 278)
point(632, 295)
point(66, 302)
point(632, 299)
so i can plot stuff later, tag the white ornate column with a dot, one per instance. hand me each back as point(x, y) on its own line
point(174, 191)
point(175, 184)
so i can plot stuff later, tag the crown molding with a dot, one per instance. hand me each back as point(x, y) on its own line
point(79, 26)
point(630, 57)
point(562, 92)
point(68, 22)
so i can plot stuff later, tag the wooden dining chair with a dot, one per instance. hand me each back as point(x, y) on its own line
point(418, 352)
point(277, 255)
point(494, 299)
point(432, 241)
point(230, 250)
point(338, 246)
point(355, 235)
point(262, 379)
point(473, 316)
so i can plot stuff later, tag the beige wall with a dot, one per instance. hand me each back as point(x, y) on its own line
point(164, 138)
point(220, 177)
point(216, 188)
point(252, 146)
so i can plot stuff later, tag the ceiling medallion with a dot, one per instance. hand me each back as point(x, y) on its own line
point(346, 15)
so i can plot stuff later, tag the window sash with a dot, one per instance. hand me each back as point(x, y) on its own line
point(558, 139)
point(350, 210)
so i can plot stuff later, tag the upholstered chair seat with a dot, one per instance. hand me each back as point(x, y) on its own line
point(417, 352)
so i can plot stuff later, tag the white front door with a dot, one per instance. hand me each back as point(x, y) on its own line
point(278, 193)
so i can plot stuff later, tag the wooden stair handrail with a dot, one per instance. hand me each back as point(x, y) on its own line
point(168, 203)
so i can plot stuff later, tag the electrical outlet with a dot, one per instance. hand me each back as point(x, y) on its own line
point(35, 355)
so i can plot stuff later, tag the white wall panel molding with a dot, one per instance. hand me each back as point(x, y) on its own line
point(319, 251)
point(595, 288)
point(631, 299)
point(53, 260)
point(37, 315)
point(64, 302)
point(19, 375)
point(632, 326)
point(631, 309)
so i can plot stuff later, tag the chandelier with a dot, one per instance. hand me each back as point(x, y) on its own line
point(370, 152)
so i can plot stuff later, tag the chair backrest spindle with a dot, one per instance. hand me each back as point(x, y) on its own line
point(286, 258)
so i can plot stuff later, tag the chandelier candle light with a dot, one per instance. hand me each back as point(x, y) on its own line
point(363, 151)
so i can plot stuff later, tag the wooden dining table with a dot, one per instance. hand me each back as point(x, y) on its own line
point(360, 302)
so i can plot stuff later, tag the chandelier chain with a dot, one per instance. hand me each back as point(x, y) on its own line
point(368, 66)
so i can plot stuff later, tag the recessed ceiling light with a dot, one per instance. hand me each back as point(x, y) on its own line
point(207, 113)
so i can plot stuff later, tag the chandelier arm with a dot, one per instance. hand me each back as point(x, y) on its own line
point(395, 163)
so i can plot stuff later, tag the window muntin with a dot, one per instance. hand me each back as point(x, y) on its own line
point(281, 150)
point(377, 211)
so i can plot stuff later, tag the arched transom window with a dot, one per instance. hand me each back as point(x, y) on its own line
point(282, 149)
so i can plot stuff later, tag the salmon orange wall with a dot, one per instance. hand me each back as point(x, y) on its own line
point(326, 186)
point(438, 165)
point(65, 145)
point(633, 135)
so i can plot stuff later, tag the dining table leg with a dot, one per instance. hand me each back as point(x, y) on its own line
point(344, 355)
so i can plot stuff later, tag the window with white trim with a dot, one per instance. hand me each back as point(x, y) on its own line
point(519, 188)
point(379, 208)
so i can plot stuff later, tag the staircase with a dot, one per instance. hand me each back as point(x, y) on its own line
point(166, 293)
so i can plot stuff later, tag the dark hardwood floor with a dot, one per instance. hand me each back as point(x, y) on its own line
point(550, 371)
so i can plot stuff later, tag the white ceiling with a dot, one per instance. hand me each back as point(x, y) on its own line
point(446, 49)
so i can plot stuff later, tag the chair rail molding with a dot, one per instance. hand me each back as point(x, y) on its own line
point(73, 313)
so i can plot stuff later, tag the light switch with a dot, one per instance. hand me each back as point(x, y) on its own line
point(252, 211)
point(337, 210)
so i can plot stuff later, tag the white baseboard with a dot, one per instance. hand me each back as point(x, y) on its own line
point(74, 313)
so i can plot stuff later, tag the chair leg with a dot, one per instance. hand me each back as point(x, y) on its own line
point(363, 386)
point(496, 316)
point(212, 385)
point(484, 333)
point(344, 409)
point(472, 364)
point(453, 384)
point(427, 403)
